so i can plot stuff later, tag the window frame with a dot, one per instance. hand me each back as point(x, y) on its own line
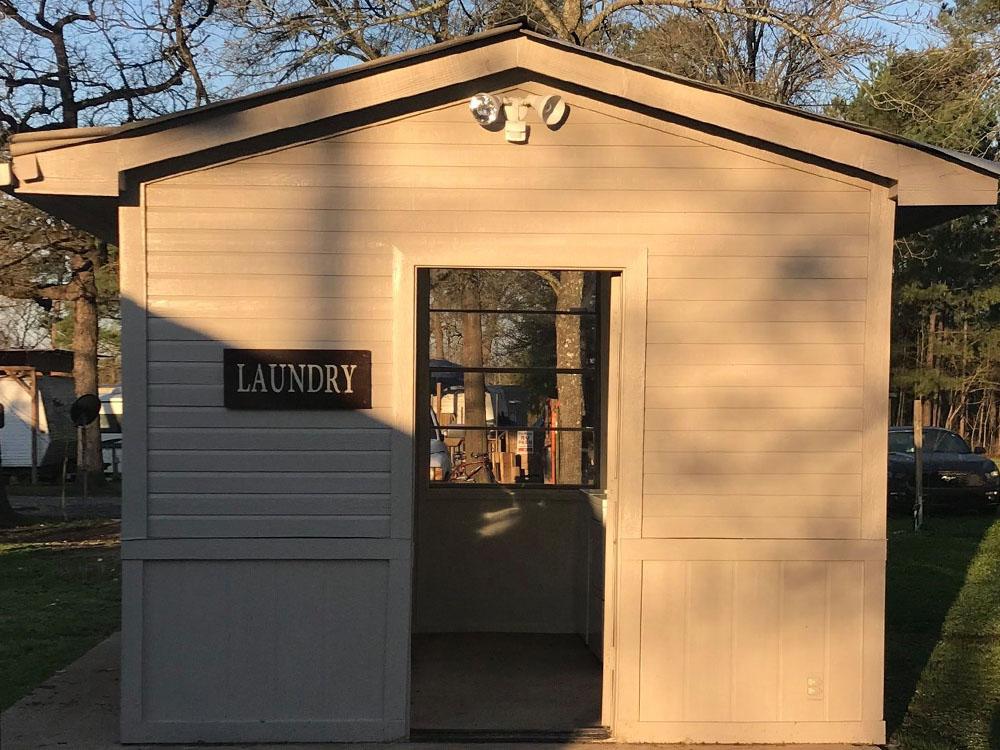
point(597, 372)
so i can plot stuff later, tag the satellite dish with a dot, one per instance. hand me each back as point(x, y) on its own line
point(85, 409)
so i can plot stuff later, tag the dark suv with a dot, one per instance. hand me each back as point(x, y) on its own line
point(955, 476)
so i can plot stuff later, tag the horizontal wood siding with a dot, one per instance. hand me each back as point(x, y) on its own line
point(757, 289)
point(755, 375)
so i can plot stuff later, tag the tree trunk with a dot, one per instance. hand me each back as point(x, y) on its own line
point(8, 517)
point(569, 296)
point(89, 459)
point(475, 382)
point(437, 327)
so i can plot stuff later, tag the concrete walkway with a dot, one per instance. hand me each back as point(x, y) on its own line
point(77, 709)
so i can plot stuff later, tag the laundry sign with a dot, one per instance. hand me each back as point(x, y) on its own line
point(297, 378)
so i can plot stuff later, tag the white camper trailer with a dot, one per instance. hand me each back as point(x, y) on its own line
point(111, 428)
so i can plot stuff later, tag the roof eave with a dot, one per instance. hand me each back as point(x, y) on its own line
point(89, 162)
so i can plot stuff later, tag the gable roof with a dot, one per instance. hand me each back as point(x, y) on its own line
point(94, 163)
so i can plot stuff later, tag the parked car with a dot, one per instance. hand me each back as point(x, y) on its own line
point(955, 476)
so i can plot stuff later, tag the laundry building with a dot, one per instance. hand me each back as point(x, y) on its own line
point(658, 515)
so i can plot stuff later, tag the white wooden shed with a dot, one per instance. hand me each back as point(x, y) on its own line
point(36, 391)
point(290, 574)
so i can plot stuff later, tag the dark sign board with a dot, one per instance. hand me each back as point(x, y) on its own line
point(297, 378)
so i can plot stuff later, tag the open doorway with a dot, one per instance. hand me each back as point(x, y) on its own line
point(514, 445)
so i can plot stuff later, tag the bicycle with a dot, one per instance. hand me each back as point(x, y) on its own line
point(472, 470)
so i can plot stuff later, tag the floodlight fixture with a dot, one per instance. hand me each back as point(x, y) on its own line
point(551, 109)
point(489, 111)
point(485, 109)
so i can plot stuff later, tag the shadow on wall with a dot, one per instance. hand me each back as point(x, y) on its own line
point(217, 473)
point(753, 421)
point(320, 477)
point(755, 390)
point(755, 429)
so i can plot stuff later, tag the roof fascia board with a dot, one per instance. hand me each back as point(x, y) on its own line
point(729, 112)
point(42, 140)
point(349, 96)
point(707, 134)
point(983, 165)
point(391, 111)
point(88, 169)
point(92, 167)
point(923, 178)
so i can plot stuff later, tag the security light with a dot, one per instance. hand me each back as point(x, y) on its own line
point(485, 109)
point(489, 110)
point(551, 109)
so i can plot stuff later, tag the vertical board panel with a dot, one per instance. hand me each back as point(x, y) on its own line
point(874, 641)
point(708, 641)
point(845, 609)
point(803, 640)
point(877, 342)
point(258, 641)
point(756, 648)
point(661, 648)
point(135, 363)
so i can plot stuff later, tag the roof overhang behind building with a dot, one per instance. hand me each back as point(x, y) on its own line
point(82, 175)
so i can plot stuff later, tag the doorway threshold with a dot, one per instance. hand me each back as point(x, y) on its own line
point(477, 736)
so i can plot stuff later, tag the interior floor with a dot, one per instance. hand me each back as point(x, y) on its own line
point(504, 681)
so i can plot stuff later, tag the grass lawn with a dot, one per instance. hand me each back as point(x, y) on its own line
point(943, 634)
point(59, 596)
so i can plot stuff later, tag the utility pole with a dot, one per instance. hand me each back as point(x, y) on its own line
point(918, 454)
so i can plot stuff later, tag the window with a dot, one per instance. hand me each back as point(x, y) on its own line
point(946, 442)
point(513, 367)
point(901, 442)
point(935, 441)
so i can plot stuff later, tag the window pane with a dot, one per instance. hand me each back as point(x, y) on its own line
point(525, 331)
point(513, 339)
point(901, 442)
point(513, 368)
point(530, 457)
point(540, 398)
point(503, 289)
point(945, 442)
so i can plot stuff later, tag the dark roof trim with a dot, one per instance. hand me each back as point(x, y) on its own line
point(43, 360)
point(518, 27)
point(981, 165)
